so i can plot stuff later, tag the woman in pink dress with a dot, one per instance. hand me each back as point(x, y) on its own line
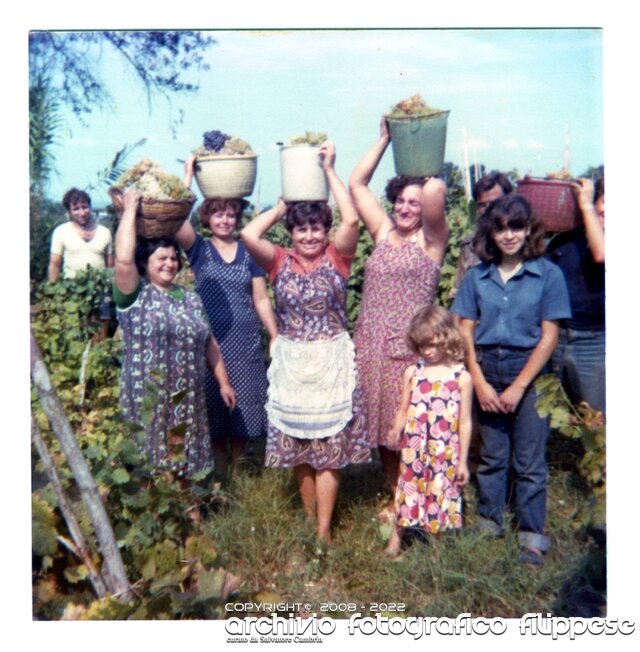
point(401, 275)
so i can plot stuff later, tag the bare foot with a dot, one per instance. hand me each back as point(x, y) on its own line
point(388, 513)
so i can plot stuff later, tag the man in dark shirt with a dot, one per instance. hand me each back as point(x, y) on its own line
point(580, 356)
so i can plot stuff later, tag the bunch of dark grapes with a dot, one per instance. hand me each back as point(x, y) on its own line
point(215, 140)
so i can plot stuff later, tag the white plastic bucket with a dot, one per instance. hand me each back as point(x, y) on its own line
point(303, 178)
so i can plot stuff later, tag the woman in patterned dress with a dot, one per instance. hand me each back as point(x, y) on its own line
point(433, 426)
point(315, 411)
point(403, 272)
point(167, 348)
point(233, 290)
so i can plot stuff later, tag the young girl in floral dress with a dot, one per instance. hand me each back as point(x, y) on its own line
point(433, 425)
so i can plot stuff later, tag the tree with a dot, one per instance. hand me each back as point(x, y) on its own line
point(161, 60)
point(44, 122)
point(593, 172)
point(64, 71)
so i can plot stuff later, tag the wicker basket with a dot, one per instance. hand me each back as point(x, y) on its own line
point(552, 201)
point(156, 218)
point(227, 177)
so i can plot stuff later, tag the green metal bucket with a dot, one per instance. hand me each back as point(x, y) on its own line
point(418, 144)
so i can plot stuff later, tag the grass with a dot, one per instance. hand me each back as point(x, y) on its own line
point(264, 538)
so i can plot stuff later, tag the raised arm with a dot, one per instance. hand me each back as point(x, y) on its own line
point(263, 251)
point(189, 165)
point(126, 275)
point(592, 225)
point(373, 215)
point(434, 223)
point(346, 236)
point(186, 234)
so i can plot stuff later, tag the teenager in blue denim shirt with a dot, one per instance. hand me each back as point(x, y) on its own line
point(509, 307)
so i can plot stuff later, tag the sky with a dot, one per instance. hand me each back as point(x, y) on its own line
point(515, 95)
point(526, 98)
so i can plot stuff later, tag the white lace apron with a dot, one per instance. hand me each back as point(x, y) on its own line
point(311, 386)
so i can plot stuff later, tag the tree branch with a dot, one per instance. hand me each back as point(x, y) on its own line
point(80, 549)
point(116, 576)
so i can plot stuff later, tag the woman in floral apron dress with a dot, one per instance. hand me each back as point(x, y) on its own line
point(316, 419)
point(167, 348)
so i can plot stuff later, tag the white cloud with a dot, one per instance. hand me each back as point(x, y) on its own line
point(478, 144)
point(535, 145)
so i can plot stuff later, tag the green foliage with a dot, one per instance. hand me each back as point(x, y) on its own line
point(44, 524)
point(44, 122)
point(460, 225)
point(586, 425)
point(116, 168)
point(44, 216)
point(173, 564)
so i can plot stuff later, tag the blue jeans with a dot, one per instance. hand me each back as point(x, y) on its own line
point(517, 442)
point(579, 361)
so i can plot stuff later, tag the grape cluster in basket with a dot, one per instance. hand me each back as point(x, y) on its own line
point(215, 140)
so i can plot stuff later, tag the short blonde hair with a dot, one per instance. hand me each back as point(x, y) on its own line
point(435, 326)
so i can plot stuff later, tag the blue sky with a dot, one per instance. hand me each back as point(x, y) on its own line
point(518, 93)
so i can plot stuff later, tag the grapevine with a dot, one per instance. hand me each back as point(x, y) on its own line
point(309, 138)
point(152, 182)
point(412, 107)
point(216, 142)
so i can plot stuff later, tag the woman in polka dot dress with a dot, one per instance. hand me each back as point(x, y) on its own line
point(234, 293)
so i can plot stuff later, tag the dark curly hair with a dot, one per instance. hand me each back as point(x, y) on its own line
point(511, 211)
point(300, 213)
point(214, 204)
point(598, 189)
point(73, 196)
point(146, 246)
point(489, 181)
point(396, 185)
